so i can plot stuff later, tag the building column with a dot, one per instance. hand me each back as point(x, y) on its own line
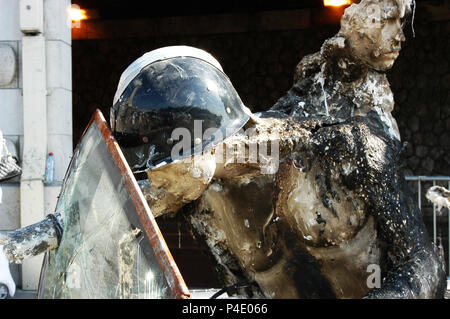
point(58, 47)
point(47, 116)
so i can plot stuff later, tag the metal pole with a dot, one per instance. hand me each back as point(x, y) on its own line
point(434, 218)
point(419, 200)
point(428, 178)
point(434, 179)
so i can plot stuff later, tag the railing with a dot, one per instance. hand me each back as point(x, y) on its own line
point(434, 180)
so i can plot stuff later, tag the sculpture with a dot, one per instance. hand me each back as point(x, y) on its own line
point(339, 202)
point(330, 203)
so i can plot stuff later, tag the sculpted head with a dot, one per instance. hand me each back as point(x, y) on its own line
point(373, 31)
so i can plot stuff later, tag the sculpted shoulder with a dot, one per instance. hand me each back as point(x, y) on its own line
point(358, 149)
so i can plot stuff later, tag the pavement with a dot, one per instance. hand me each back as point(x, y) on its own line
point(447, 294)
point(196, 293)
point(24, 294)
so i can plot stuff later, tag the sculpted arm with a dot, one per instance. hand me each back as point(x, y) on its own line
point(33, 240)
point(172, 186)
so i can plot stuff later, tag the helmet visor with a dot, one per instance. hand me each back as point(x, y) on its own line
point(173, 109)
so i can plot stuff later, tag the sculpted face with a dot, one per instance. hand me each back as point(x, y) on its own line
point(384, 45)
point(373, 31)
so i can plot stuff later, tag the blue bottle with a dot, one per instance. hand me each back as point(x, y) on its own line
point(49, 169)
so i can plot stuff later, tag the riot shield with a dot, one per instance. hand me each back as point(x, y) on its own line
point(111, 246)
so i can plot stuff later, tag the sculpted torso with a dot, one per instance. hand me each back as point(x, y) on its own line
point(286, 237)
point(298, 232)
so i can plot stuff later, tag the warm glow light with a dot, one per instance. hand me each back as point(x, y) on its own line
point(336, 3)
point(77, 14)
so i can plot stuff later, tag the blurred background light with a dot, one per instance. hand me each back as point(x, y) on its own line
point(336, 3)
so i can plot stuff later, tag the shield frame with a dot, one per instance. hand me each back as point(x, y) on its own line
point(168, 266)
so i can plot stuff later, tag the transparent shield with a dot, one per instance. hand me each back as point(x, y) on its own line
point(110, 238)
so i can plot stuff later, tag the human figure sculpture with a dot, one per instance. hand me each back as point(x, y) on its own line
point(331, 207)
point(338, 204)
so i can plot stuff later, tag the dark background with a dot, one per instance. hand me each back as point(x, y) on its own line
point(258, 44)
